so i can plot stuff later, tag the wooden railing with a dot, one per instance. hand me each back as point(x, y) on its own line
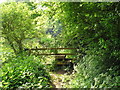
point(48, 48)
point(36, 49)
point(58, 56)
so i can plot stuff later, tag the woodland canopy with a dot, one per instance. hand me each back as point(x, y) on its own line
point(91, 27)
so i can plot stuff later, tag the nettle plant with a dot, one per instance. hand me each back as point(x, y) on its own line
point(24, 72)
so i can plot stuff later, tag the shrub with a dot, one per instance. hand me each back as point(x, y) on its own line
point(24, 72)
point(97, 69)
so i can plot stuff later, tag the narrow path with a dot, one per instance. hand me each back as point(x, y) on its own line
point(57, 79)
point(60, 78)
point(60, 73)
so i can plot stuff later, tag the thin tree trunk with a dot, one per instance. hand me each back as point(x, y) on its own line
point(20, 46)
point(12, 45)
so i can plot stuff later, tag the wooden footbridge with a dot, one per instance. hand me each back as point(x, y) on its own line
point(58, 56)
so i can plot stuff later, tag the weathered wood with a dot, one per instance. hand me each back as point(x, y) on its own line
point(47, 48)
point(58, 54)
point(57, 57)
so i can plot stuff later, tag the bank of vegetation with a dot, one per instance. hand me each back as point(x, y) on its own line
point(92, 28)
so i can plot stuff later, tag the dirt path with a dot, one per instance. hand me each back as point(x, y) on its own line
point(60, 74)
point(60, 78)
point(57, 78)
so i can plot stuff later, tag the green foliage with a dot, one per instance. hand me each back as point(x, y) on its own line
point(91, 27)
point(94, 29)
point(94, 71)
point(24, 72)
point(17, 24)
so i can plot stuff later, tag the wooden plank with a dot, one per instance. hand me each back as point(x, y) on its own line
point(47, 48)
point(59, 54)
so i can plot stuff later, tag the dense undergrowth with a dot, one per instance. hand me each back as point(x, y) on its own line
point(24, 72)
point(97, 71)
point(92, 28)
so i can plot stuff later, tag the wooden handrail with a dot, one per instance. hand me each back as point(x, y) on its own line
point(47, 48)
point(58, 54)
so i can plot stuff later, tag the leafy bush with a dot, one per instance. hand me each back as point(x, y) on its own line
point(24, 72)
point(96, 70)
